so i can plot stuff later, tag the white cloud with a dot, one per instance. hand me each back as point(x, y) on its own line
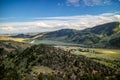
point(92, 2)
point(88, 2)
point(73, 2)
point(54, 23)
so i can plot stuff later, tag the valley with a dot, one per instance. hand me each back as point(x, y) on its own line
point(65, 54)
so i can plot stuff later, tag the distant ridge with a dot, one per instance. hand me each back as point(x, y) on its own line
point(22, 36)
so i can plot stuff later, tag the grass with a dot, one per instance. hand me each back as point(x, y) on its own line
point(107, 56)
point(41, 69)
point(107, 51)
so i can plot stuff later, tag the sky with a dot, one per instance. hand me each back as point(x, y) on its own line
point(24, 16)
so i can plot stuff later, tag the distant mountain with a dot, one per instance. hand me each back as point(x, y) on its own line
point(99, 36)
point(22, 36)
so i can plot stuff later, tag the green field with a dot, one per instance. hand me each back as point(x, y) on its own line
point(108, 57)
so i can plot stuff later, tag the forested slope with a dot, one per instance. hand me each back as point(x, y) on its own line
point(62, 64)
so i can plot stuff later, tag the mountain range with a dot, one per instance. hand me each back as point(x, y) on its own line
point(105, 35)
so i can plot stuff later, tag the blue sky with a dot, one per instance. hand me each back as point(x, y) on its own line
point(46, 8)
point(48, 13)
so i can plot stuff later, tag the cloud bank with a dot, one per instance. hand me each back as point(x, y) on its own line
point(54, 23)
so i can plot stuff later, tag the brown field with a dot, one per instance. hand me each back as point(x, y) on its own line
point(13, 39)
